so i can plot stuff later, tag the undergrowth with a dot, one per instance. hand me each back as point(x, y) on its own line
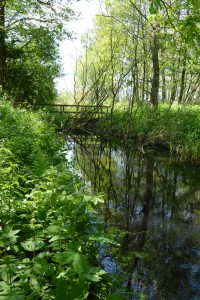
point(49, 233)
point(174, 127)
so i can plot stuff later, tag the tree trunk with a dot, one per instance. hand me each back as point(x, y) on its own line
point(174, 88)
point(182, 87)
point(156, 71)
point(144, 63)
point(2, 46)
point(164, 93)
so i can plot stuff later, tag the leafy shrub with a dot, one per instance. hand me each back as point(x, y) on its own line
point(49, 241)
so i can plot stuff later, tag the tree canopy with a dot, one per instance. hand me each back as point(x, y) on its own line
point(30, 32)
point(143, 51)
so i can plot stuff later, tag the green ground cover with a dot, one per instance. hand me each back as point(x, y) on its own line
point(49, 234)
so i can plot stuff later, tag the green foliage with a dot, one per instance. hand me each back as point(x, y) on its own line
point(139, 48)
point(31, 68)
point(174, 127)
point(49, 238)
point(188, 24)
point(30, 33)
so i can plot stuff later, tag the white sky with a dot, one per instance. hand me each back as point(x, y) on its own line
point(70, 49)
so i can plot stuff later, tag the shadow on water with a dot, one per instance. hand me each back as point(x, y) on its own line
point(156, 202)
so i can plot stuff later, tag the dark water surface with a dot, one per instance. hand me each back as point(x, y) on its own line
point(157, 202)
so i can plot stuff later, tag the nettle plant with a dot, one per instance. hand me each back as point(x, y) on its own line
point(49, 235)
point(46, 246)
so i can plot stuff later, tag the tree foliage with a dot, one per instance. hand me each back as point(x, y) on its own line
point(29, 38)
point(148, 50)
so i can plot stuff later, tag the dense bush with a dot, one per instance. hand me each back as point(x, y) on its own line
point(49, 237)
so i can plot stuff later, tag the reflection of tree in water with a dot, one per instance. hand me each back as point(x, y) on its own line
point(154, 202)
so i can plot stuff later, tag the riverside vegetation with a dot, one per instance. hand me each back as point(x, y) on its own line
point(175, 128)
point(49, 234)
point(141, 53)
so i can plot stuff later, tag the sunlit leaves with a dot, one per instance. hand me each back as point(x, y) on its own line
point(8, 236)
point(154, 6)
point(45, 223)
point(32, 244)
point(32, 31)
point(77, 260)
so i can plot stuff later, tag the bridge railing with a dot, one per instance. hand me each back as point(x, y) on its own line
point(67, 108)
point(73, 109)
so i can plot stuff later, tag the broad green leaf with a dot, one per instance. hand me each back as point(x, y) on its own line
point(94, 274)
point(32, 245)
point(77, 260)
point(79, 263)
point(93, 277)
point(63, 258)
point(4, 287)
point(54, 238)
point(33, 281)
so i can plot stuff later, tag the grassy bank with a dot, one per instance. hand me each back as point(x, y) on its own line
point(176, 128)
point(49, 237)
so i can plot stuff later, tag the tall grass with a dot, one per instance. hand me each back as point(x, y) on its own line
point(175, 127)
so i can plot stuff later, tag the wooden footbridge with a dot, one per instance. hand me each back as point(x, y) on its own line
point(76, 115)
point(83, 118)
point(73, 109)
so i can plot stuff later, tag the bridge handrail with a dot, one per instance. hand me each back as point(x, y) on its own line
point(99, 108)
point(74, 105)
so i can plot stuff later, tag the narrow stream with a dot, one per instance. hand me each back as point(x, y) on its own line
point(157, 202)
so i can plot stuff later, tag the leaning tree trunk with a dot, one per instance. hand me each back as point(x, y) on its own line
point(156, 71)
point(2, 46)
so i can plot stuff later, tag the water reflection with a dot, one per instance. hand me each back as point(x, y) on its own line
point(157, 202)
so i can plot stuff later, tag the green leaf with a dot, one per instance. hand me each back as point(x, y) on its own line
point(141, 255)
point(54, 238)
point(63, 258)
point(152, 9)
point(93, 277)
point(77, 260)
point(32, 245)
point(53, 229)
point(4, 287)
point(71, 290)
point(79, 263)
point(94, 274)
point(8, 236)
point(33, 281)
